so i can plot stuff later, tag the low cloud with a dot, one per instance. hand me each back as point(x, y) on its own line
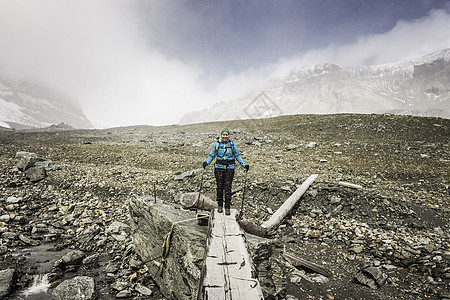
point(95, 52)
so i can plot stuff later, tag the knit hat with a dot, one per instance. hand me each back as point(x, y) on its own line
point(224, 130)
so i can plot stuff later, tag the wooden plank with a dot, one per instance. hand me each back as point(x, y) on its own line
point(297, 261)
point(228, 271)
point(350, 185)
point(286, 207)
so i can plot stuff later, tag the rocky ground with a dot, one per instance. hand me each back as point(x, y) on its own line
point(71, 220)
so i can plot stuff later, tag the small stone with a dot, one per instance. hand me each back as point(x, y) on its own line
point(120, 285)
point(319, 278)
point(357, 249)
point(311, 145)
point(135, 263)
point(185, 175)
point(143, 290)
point(90, 259)
point(9, 235)
point(5, 218)
point(389, 267)
point(13, 200)
point(28, 240)
point(111, 268)
point(335, 199)
point(124, 294)
point(11, 206)
point(73, 257)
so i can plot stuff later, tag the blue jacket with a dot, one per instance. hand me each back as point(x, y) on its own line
point(225, 151)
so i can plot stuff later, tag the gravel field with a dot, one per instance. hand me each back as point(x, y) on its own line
point(74, 221)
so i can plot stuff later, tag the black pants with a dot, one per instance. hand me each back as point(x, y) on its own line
point(224, 179)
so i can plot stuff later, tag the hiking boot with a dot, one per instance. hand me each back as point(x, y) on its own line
point(220, 209)
point(227, 211)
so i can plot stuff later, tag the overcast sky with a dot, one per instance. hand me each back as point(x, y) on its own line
point(149, 62)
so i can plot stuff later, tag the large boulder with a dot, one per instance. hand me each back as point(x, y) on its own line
point(29, 160)
point(80, 287)
point(151, 222)
point(6, 278)
point(36, 173)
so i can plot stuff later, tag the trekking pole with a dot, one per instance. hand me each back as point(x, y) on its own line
point(154, 190)
point(201, 185)
point(241, 213)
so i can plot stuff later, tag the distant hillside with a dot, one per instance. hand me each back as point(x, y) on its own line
point(418, 87)
point(24, 105)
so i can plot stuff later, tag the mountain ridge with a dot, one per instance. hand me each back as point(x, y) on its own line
point(25, 105)
point(419, 86)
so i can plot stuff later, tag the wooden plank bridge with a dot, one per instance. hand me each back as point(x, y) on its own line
point(228, 271)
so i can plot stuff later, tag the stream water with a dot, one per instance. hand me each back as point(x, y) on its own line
point(38, 290)
point(40, 259)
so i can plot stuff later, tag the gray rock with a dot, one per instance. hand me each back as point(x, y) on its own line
point(35, 174)
point(111, 268)
point(9, 235)
point(5, 218)
point(150, 223)
point(6, 278)
point(48, 165)
point(3, 249)
point(124, 294)
point(372, 277)
point(91, 259)
point(311, 145)
point(28, 240)
point(80, 287)
point(27, 160)
point(13, 200)
point(120, 285)
point(319, 278)
point(335, 199)
point(185, 175)
point(135, 263)
point(119, 231)
point(143, 290)
point(389, 267)
point(73, 257)
point(89, 234)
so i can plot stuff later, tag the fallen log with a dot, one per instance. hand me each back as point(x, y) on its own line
point(277, 218)
point(252, 228)
point(191, 200)
point(297, 261)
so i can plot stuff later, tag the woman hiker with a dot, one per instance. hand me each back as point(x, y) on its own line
point(225, 152)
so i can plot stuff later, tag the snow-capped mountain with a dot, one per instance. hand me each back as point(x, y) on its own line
point(419, 87)
point(23, 105)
